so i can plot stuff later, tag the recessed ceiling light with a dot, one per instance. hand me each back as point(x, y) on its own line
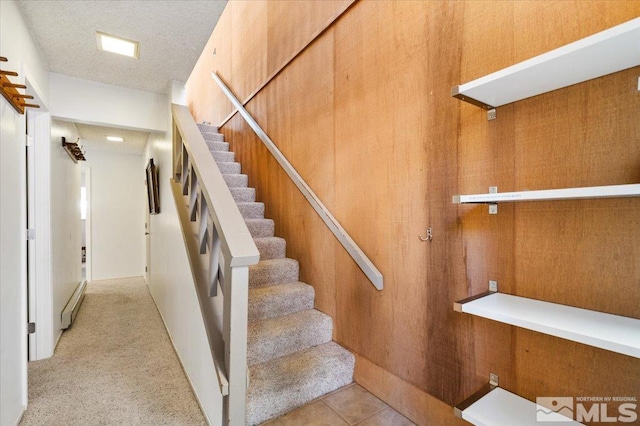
point(115, 139)
point(119, 45)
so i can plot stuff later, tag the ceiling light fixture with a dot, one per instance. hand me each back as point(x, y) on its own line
point(115, 139)
point(119, 45)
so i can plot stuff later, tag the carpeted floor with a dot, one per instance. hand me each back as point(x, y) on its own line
point(114, 366)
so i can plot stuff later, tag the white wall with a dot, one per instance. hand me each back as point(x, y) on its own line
point(117, 209)
point(172, 287)
point(65, 217)
point(17, 45)
point(90, 102)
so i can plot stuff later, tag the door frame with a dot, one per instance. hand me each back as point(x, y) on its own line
point(39, 285)
point(86, 170)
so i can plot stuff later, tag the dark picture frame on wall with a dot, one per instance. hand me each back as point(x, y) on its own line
point(153, 190)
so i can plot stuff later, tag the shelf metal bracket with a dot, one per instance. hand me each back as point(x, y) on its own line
point(493, 207)
point(493, 288)
point(493, 383)
point(491, 114)
point(493, 379)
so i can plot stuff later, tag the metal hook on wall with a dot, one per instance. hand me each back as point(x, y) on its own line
point(429, 236)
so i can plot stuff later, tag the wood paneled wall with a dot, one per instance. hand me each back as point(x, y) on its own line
point(365, 115)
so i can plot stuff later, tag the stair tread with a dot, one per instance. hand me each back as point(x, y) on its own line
point(223, 156)
point(251, 210)
point(243, 194)
point(271, 247)
point(283, 384)
point(229, 168)
point(217, 146)
point(279, 336)
point(236, 180)
point(260, 227)
point(207, 128)
point(273, 272)
point(272, 301)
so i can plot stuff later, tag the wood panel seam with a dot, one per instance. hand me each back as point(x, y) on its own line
point(287, 62)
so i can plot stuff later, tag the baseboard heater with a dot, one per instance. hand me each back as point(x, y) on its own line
point(70, 311)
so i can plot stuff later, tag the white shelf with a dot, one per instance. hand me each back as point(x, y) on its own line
point(610, 191)
point(606, 52)
point(611, 332)
point(502, 408)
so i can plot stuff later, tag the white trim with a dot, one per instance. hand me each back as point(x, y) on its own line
point(43, 295)
point(184, 370)
point(21, 415)
point(604, 53)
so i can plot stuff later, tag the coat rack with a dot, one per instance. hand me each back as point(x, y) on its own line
point(10, 90)
point(74, 151)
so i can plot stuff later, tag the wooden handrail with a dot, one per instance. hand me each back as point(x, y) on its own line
point(220, 249)
point(237, 242)
point(332, 223)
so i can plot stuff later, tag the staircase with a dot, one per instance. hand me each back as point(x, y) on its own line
point(291, 357)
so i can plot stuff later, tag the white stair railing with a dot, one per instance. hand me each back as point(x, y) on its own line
point(220, 250)
point(356, 253)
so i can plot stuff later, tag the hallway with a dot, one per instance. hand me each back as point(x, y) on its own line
point(115, 365)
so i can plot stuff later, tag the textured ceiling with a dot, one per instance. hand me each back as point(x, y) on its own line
point(172, 34)
point(94, 138)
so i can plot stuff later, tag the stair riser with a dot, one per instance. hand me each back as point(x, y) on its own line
point(302, 378)
point(243, 195)
point(265, 345)
point(271, 248)
point(213, 137)
point(223, 156)
point(217, 146)
point(229, 168)
point(236, 181)
point(290, 352)
point(261, 228)
point(251, 210)
point(278, 300)
point(207, 128)
point(286, 272)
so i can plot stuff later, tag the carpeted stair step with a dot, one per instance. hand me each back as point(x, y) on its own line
point(217, 146)
point(251, 210)
point(273, 271)
point(243, 195)
point(271, 247)
point(236, 180)
point(280, 336)
point(261, 228)
point(207, 128)
point(276, 300)
point(213, 137)
point(285, 383)
point(223, 156)
point(229, 168)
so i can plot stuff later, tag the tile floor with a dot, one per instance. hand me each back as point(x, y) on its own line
point(348, 406)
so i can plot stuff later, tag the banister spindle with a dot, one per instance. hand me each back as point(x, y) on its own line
point(204, 219)
point(186, 166)
point(193, 195)
point(214, 260)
